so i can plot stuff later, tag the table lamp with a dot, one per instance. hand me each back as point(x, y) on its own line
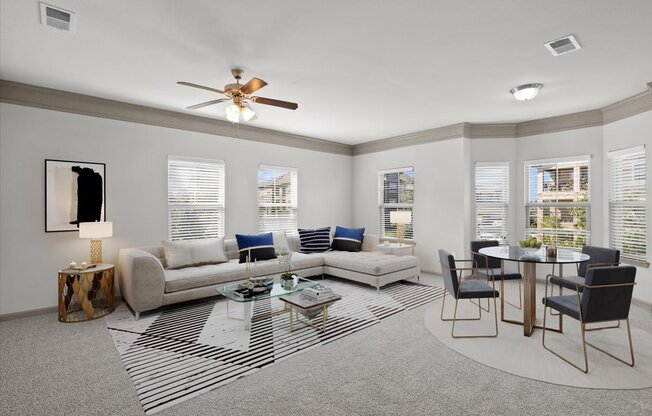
point(96, 231)
point(400, 218)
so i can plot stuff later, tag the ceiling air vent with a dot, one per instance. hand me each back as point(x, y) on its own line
point(563, 45)
point(57, 17)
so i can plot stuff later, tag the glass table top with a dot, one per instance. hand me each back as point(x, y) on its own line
point(277, 290)
point(515, 253)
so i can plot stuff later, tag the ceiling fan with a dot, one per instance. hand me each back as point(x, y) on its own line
point(240, 95)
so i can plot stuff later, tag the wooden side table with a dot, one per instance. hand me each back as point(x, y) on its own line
point(297, 302)
point(397, 249)
point(85, 294)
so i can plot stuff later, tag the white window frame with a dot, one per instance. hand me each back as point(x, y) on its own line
point(617, 229)
point(382, 205)
point(273, 223)
point(208, 201)
point(494, 207)
point(555, 205)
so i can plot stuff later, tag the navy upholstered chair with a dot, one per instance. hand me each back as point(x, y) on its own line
point(606, 296)
point(600, 256)
point(465, 289)
point(490, 269)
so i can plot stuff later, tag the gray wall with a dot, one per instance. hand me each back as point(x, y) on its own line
point(136, 194)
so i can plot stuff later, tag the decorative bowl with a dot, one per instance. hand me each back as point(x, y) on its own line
point(261, 281)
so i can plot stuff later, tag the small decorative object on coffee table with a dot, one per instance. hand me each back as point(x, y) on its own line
point(85, 293)
point(288, 278)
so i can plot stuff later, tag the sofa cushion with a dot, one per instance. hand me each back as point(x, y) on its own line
point(373, 263)
point(256, 247)
point(347, 239)
point(280, 242)
point(215, 274)
point(232, 271)
point(315, 241)
point(194, 252)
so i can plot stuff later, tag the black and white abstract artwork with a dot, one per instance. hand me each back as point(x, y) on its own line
point(74, 193)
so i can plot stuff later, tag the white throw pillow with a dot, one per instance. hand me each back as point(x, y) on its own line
point(194, 252)
point(280, 241)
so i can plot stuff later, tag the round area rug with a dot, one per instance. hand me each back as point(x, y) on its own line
point(525, 356)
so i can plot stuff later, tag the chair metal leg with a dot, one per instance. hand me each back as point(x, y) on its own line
point(543, 342)
point(604, 327)
point(443, 300)
point(480, 311)
point(631, 348)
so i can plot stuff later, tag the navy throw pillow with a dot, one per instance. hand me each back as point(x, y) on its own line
point(347, 239)
point(258, 246)
point(315, 241)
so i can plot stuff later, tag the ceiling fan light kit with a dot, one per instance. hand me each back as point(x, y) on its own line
point(240, 95)
point(526, 92)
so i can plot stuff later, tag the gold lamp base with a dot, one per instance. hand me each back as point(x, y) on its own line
point(96, 251)
point(400, 234)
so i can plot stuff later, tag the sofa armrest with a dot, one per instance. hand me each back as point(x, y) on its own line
point(142, 279)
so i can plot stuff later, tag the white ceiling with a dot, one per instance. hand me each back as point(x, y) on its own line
point(360, 70)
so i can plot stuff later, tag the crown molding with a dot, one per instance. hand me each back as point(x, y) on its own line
point(554, 124)
point(69, 102)
point(426, 136)
point(57, 100)
point(628, 107)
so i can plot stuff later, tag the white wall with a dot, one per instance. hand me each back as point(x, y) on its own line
point(439, 198)
point(136, 194)
point(622, 134)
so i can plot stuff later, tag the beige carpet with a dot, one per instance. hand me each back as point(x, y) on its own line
point(525, 356)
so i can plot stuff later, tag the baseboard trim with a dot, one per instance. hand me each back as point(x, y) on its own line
point(39, 311)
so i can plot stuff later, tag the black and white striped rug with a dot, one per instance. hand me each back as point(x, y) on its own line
point(189, 349)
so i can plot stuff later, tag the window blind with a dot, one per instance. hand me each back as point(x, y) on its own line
point(491, 200)
point(277, 199)
point(195, 198)
point(395, 193)
point(558, 206)
point(627, 203)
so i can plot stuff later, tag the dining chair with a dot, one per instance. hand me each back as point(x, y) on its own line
point(606, 296)
point(460, 288)
point(490, 269)
point(599, 256)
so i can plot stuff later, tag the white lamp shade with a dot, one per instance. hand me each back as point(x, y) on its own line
point(400, 217)
point(95, 230)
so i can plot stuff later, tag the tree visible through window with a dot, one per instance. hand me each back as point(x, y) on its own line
point(395, 193)
point(558, 205)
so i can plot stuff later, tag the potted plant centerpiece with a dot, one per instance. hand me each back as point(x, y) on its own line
point(287, 278)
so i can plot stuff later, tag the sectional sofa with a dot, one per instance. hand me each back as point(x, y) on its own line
point(146, 283)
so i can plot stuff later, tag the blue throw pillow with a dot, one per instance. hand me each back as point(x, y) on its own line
point(347, 239)
point(315, 241)
point(258, 246)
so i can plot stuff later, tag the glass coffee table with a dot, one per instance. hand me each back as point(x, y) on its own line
point(229, 292)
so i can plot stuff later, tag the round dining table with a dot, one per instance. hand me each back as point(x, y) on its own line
point(530, 259)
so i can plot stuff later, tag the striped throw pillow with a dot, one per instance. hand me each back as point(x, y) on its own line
point(315, 241)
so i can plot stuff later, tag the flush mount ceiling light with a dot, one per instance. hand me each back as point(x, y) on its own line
point(526, 92)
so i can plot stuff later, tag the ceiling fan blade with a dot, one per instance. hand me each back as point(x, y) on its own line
point(276, 103)
point(253, 85)
point(207, 103)
point(203, 87)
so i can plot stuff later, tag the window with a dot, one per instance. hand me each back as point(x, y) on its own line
point(277, 198)
point(195, 198)
point(627, 199)
point(395, 193)
point(491, 200)
point(558, 201)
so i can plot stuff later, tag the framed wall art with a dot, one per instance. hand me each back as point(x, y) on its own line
point(74, 192)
